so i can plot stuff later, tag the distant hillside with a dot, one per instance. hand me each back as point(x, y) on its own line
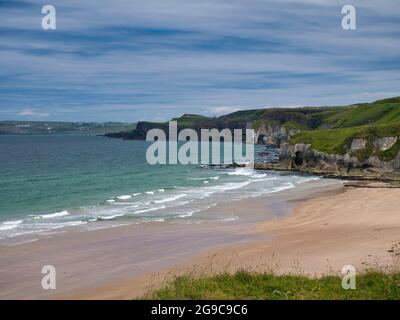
point(360, 140)
point(309, 124)
point(48, 127)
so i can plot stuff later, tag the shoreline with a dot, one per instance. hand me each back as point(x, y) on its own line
point(92, 259)
point(282, 232)
point(302, 243)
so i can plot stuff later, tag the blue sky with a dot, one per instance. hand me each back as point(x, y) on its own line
point(128, 60)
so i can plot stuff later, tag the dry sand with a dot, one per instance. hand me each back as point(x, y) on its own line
point(358, 227)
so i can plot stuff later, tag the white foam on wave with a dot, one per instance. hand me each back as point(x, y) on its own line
point(210, 190)
point(169, 199)
point(258, 175)
point(152, 220)
point(197, 179)
point(125, 197)
point(242, 172)
point(192, 212)
point(110, 200)
point(229, 186)
point(53, 215)
point(125, 203)
point(74, 223)
point(161, 190)
point(149, 192)
point(288, 185)
point(136, 194)
point(266, 179)
point(8, 227)
point(14, 222)
point(111, 217)
point(149, 209)
point(309, 180)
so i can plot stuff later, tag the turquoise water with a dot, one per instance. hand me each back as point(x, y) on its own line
point(52, 182)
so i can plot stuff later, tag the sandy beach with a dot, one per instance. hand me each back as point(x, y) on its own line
point(314, 230)
point(358, 227)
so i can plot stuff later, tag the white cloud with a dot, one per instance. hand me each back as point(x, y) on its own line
point(226, 109)
point(144, 59)
point(32, 113)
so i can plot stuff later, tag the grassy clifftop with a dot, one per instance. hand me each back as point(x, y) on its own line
point(327, 129)
point(365, 121)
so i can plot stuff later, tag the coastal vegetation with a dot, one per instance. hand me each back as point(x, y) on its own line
point(248, 285)
point(364, 121)
point(325, 140)
point(326, 129)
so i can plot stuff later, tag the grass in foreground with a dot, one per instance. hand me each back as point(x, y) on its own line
point(247, 285)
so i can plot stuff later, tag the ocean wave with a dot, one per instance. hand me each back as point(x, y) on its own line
point(265, 179)
point(53, 215)
point(130, 204)
point(309, 179)
point(7, 227)
point(242, 172)
point(152, 219)
point(13, 222)
point(288, 185)
point(172, 198)
point(125, 197)
point(159, 204)
point(229, 186)
point(258, 175)
point(110, 217)
point(149, 209)
point(74, 223)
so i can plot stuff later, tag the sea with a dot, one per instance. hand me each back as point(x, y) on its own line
point(53, 183)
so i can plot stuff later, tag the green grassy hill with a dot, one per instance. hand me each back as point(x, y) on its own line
point(340, 125)
point(327, 129)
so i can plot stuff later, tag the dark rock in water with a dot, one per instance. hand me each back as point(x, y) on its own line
point(224, 166)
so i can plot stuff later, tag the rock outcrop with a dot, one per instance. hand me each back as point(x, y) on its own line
point(273, 135)
point(385, 143)
point(301, 157)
